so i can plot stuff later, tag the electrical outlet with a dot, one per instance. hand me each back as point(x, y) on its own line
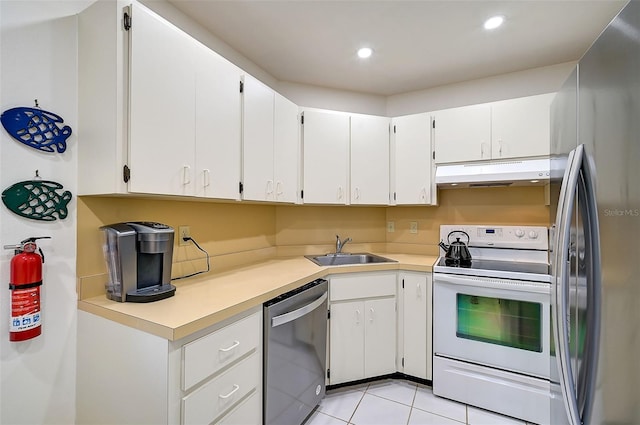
point(413, 227)
point(183, 232)
point(391, 226)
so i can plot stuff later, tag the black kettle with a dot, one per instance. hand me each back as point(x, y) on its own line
point(457, 252)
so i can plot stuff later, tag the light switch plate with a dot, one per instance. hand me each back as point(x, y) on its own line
point(391, 226)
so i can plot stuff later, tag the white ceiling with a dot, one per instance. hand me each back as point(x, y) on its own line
point(417, 44)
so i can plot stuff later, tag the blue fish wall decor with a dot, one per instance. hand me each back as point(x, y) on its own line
point(36, 128)
point(37, 200)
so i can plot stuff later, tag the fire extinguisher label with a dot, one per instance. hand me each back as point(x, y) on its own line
point(25, 309)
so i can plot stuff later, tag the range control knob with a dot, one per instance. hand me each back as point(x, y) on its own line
point(519, 233)
point(533, 234)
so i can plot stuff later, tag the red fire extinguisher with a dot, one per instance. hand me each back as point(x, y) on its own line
point(26, 279)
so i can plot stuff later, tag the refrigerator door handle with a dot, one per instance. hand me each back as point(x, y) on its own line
point(561, 272)
point(594, 290)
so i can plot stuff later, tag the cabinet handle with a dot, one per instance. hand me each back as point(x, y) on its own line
point(234, 345)
point(482, 150)
point(269, 187)
point(423, 194)
point(339, 192)
point(207, 178)
point(419, 290)
point(500, 147)
point(357, 317)
point(371, 316)
point(357, 193)
point(236, 387)
point(186, 175)
point(279, 188)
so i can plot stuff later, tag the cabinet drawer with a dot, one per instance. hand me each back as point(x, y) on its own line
point(218, 395)
point(362, 286)
point(205, 356)
point(247, 413)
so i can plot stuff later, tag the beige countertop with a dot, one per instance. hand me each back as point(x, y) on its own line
point(205, 300)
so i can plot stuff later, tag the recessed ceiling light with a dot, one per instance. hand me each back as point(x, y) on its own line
point(365, 52)
point(493, 22)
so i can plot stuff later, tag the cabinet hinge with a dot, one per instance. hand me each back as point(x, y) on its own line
point(328, 373)
point(328, 314)
point(433, 124)
point(302, 119)
point(126, 21)
point(241, 86)
point(394, 129)
point(394, 196)
point(302, 194)
point(126, 173)
point(434, 155)
point(402, 283)
point(403, 362)
point(240, 187)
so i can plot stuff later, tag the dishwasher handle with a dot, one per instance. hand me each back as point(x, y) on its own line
point(296, 314)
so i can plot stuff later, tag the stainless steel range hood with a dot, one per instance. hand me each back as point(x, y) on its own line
point(526, 172)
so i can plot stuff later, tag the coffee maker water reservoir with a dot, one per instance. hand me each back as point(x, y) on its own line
point(138, 256)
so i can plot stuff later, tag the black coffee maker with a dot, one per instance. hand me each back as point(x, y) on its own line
point(138, 256)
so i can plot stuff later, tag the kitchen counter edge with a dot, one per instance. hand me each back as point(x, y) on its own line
point(201, 302)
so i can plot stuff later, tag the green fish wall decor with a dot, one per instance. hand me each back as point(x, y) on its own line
point(37, 200)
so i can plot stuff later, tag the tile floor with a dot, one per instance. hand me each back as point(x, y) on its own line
point(398, 402)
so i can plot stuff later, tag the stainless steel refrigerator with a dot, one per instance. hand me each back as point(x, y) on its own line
point(595, 237)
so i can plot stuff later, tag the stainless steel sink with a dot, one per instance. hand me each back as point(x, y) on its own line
point(343, 259)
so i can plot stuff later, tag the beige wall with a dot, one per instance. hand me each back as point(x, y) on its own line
point(506, 206)
point(237, 233)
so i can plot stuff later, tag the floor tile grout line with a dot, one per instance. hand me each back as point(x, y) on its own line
point(358, 405)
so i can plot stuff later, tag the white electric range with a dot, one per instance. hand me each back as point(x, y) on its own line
point(491, 321)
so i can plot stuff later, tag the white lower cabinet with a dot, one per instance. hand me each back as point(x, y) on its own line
point(362, 326)
point(415, 324)
point(128, 376)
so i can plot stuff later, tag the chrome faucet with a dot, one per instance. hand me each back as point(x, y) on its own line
point(340, 244)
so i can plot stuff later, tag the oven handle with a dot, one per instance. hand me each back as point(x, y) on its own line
point(493, 283)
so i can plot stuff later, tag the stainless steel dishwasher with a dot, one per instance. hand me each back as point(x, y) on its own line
point(295, 342)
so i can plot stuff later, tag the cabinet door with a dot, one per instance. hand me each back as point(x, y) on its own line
point(326, 156)
point(257, 141)
point(520, 127)
point(218, 126)
point(369, 160)
point(463, 134)
point(413, 159)
point(380, 337)
point(286, 150)
point(346, 345)
point(416, 320)
point(162, 107)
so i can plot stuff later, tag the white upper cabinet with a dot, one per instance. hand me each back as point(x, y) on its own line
point(217, 171)
point(257, 141)
point(369, 160)
point(520, 127)
point(162, 107)
point(159, 113)
point(325, 157)
point(286, 151)
point(514, 128)
point(413, 160)
point(463, 134)
point(270, 144)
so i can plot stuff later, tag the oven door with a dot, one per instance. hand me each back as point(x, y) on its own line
point(499, 323)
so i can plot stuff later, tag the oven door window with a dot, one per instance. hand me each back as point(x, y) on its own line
point(506, 322)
